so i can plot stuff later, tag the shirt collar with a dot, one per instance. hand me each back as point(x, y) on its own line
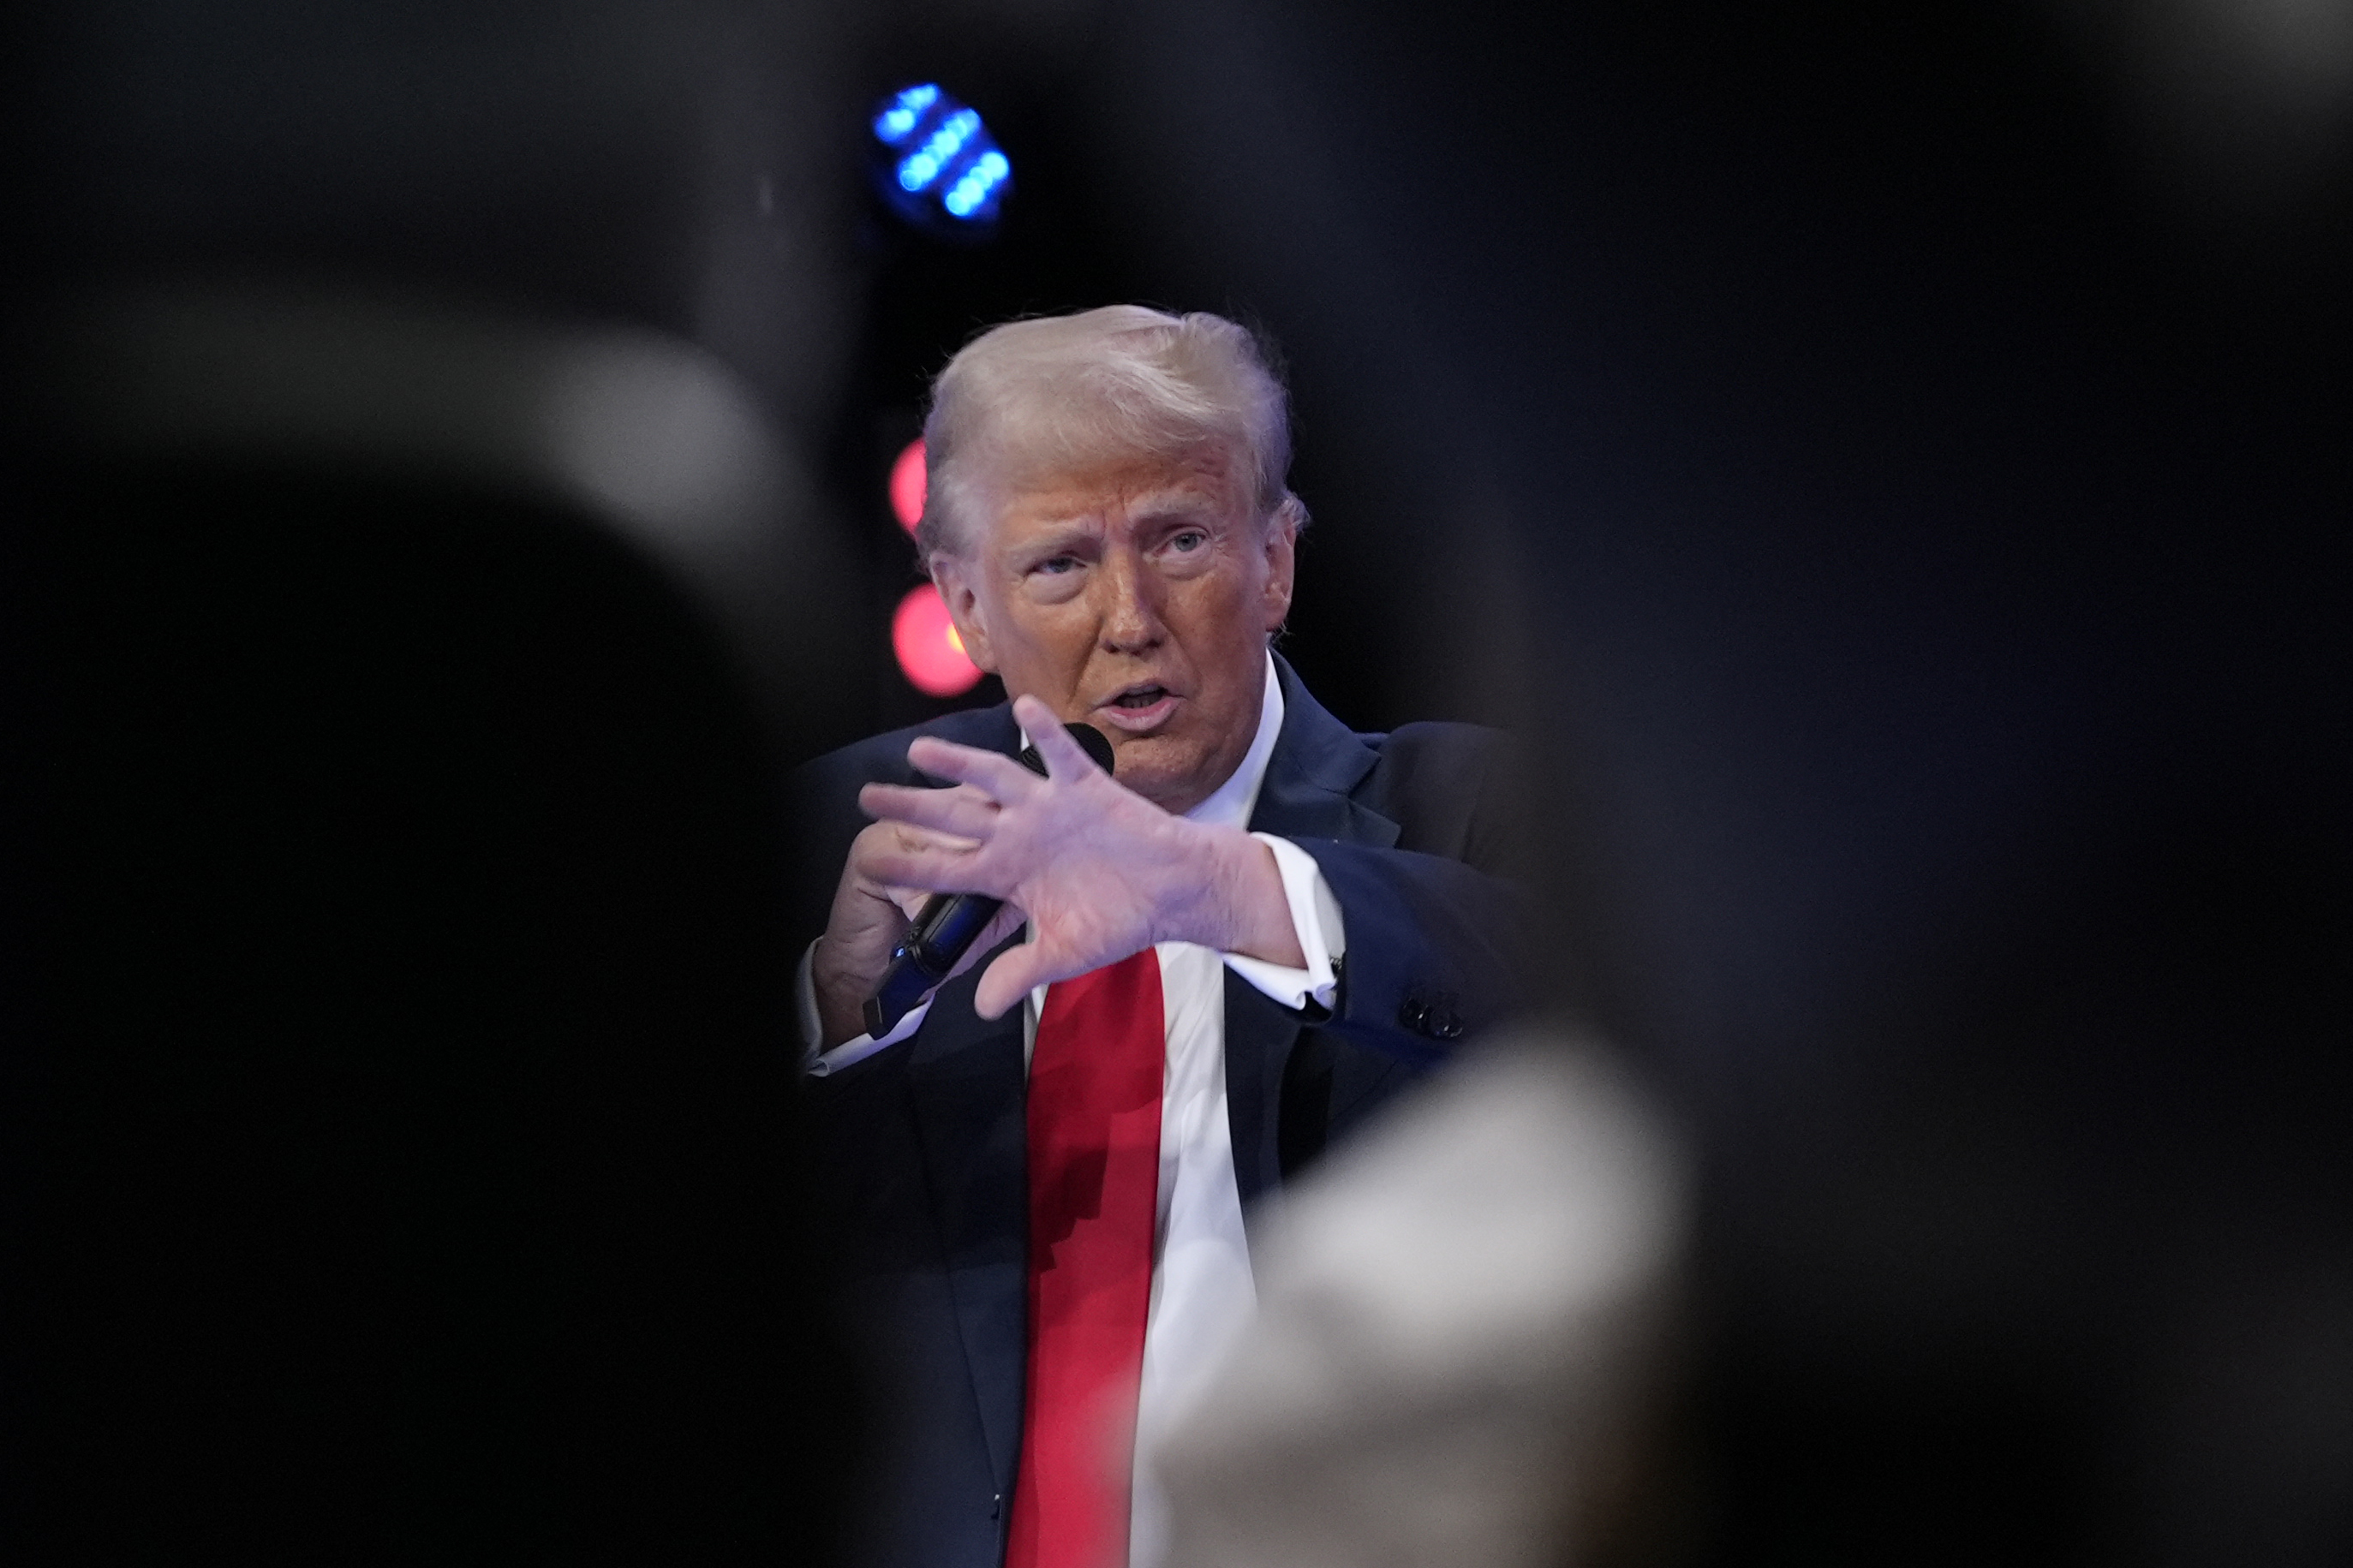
point(1229, 806)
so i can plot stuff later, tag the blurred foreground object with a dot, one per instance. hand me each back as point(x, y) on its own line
point(1465, 1335)
point(652, 438)
point(399, 1140)
point(1921, 439)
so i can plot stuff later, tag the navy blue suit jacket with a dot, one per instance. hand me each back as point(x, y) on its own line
point(919, 1148)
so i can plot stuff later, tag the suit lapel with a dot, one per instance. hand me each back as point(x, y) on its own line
point(1316, 763)
point(968, 1081)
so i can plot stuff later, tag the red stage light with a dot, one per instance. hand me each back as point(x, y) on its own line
point(931, 655)
point(907, 485)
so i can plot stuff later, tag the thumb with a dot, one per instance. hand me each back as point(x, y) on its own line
point(1013, 976)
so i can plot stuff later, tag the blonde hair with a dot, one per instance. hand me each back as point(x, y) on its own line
point(1062, 391)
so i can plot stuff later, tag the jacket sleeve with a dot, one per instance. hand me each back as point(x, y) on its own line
point(1433, 948)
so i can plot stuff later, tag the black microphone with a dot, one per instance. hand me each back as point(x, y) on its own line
point(951, 923)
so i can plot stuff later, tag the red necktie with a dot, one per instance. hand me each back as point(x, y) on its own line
point(1094, 1179)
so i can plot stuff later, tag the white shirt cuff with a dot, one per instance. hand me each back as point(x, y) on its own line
point(816, 1061)
point(1315, 918)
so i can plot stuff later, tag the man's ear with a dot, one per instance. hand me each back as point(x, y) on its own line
point(1282, 560)
point(952, 578)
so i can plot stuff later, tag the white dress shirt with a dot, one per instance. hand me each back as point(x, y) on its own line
point(1201, 1287)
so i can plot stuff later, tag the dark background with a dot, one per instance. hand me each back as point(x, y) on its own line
point(1892, 464)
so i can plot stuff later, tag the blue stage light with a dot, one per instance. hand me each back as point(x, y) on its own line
point(936, 163)
point(965, 197)
point(898, 118)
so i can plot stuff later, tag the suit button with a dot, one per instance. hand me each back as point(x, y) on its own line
point(1444, 1024)
point(1415, 1014)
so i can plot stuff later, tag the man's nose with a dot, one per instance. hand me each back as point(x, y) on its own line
point(1128, 604)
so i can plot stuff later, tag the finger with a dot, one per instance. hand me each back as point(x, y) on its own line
point(874, 898)
point(964, 811)
point(902, 837)
point(998, 777)
point(1025, 968)
point(1063, 756)
point(1013, 976)
point(927, 865)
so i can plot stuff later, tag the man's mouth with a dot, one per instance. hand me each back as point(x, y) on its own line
point(1140, 708)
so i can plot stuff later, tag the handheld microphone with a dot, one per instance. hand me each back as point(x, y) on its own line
point(950, 922)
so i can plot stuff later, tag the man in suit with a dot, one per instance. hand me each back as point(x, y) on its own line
point(1240, 942)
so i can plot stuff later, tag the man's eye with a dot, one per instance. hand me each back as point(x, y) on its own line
point(1058, 564)
point(1190, 540)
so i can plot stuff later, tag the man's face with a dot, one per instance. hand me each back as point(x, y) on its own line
point(1134, 595)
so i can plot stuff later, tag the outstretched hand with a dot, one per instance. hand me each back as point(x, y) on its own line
point(1098, 871)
